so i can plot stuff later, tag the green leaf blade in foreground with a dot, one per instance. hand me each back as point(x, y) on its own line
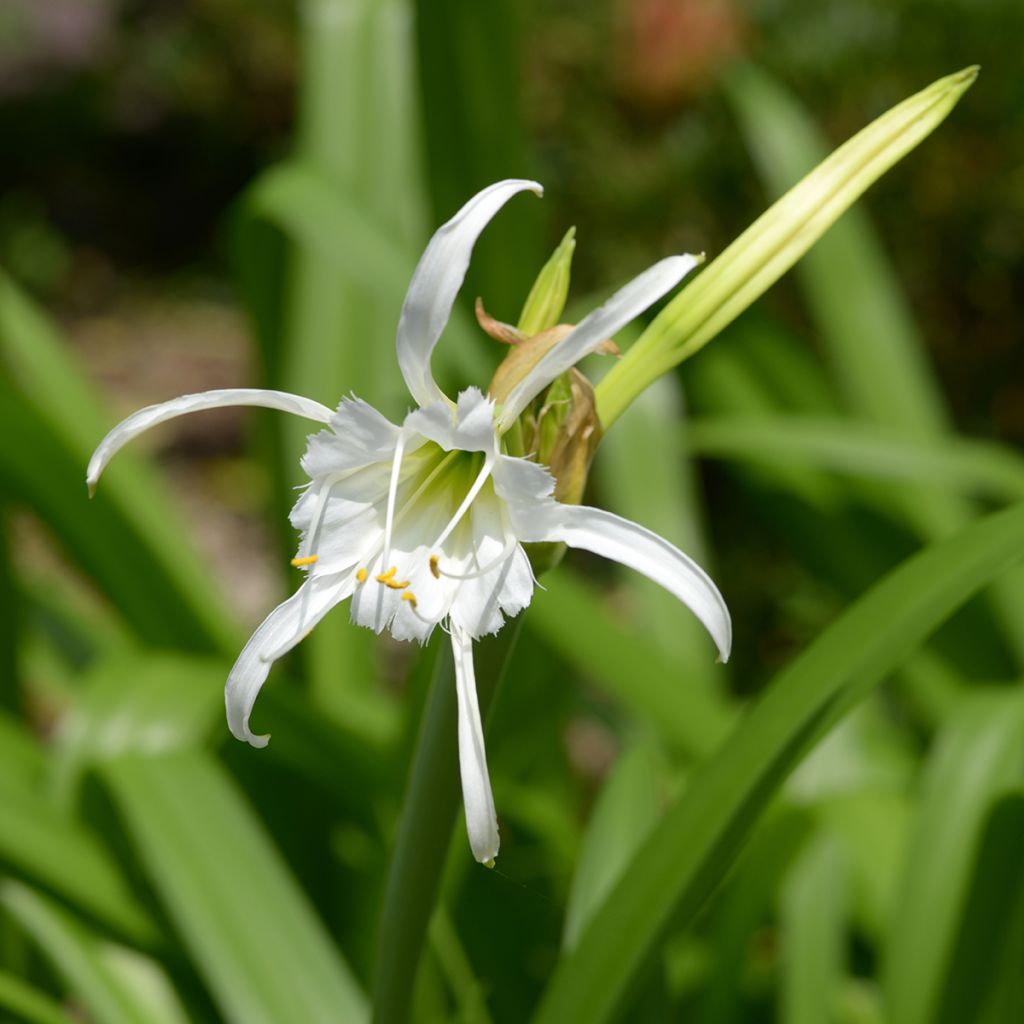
point(28, 1004)
point(248, 927)
point(976, 762)
point(75, 952)
point(695, 844)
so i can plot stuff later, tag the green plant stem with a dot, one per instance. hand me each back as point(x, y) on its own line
point(429, 810)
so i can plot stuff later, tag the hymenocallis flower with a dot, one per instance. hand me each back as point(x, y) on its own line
point(423, 524)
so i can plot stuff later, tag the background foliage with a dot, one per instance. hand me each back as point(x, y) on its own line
point(213, 193)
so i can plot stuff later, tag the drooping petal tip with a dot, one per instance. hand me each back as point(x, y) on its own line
point(436, 282)
point(151, 415)
point(481, 818)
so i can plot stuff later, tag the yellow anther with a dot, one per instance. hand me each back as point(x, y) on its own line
point(388, 579)
point(410, 597)
point(434, 570)
point(305, 560)
point(361, 575)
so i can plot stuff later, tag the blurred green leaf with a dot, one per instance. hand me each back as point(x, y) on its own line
point(851, 288)
point(54, 851)
point(573, 620)
point(744, 905)
point(128, 540)
point(693, 846)
point(843, 446)
point(652, 482)
point(624, 814)
point(976, 762)
point(249, 928)
point(776, 240)
point(77, 954)
point(300, 200)
point(468, 56)
point(28, 1004)
point(868, 329)
point(813, 922)
point(429, 809)
point(139, 703)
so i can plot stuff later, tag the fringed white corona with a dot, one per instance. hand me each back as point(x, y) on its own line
point(423, 524)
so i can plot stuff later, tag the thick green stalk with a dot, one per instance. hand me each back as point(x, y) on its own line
point(429, 810)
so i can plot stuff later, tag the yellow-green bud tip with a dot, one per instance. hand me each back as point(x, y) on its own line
point(489, 863)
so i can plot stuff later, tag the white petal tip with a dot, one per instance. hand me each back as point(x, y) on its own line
point(91, 485)
point(259, 742)
point(489, 863)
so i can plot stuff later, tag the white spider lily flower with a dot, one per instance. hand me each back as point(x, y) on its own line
point(423, 524)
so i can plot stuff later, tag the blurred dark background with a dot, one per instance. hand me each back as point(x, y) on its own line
point(129, 126)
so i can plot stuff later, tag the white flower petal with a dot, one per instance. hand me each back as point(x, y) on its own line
point(284, 627)
point(624, 306)
point(469, 427)
point(437, 280)
point(356, 435)
point(612, 537)
point(154, 414)
point(481, 818)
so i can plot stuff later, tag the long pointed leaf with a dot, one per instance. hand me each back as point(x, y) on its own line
point(693, 847)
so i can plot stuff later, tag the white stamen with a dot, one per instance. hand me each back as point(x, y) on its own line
point(389, 519)
point(510, 546)
point(470, 497)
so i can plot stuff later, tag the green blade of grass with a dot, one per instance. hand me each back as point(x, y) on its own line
point(813, 922)
point(652, 482)
point(625, 812)
point(248, 927)
point(58, 853)
point(975, 764)
point(76, 954)
point(573, 620)
point(979, 468)
point(694, 845)
point(28, 1004)
point(867, 328)
point(475, 134)
point(46, 401)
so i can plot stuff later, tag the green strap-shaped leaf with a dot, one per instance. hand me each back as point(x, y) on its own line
point(979, 468)
point(28, 1004)
point(57, 853)
point(76, 953)
point(248, 927)
point(976, 762)
point(626, 811)
point(571, 617)
point(47, 405)
point(694, 845)
point(813, 918)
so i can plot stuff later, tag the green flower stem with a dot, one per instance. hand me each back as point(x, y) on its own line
point(774, 242)
point(429, 811)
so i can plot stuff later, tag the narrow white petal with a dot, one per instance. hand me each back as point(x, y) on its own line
point(437, 280)
point(284, 627)
point(624, 306)
point(481, 819)
point(142, 420)
point(623, 541)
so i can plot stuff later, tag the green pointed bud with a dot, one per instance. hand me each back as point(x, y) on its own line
point(544, 305)
point(774, 242)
